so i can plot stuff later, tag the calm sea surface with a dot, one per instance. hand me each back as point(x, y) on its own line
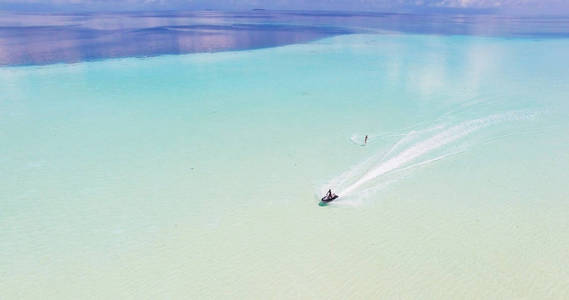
point(45, 38)
point(198, 175)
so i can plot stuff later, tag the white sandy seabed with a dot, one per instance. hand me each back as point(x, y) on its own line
point(194, 176)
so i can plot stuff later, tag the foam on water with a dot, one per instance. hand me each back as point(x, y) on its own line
point(359, 139)
point(415, 149)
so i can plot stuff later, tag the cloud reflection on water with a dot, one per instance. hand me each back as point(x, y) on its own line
point(52, 38)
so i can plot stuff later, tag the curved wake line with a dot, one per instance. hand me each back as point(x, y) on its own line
point(407, 154)
point(359, 139)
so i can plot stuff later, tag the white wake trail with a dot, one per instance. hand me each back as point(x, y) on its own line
point(409, 153)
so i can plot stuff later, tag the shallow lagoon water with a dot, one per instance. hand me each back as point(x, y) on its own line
point(199, 175)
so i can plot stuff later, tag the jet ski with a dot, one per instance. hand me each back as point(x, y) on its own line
point(329, 197)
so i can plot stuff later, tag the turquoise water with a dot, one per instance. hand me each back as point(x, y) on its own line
point(199, 175)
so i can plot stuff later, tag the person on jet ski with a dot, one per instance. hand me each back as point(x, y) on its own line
point(330, 195)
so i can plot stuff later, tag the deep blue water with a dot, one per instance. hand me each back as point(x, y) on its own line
point(45, 38)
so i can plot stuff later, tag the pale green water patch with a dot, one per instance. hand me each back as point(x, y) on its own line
point(198, 175)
